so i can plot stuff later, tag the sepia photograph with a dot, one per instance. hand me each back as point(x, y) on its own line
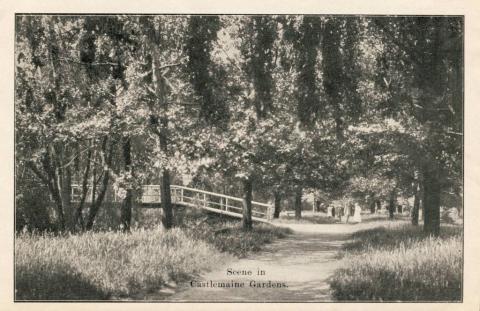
point(236, 158)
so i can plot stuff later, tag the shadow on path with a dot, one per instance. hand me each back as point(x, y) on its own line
point(299, 264)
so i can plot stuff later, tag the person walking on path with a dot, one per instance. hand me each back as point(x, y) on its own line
point(357, 216)
point(346, 213)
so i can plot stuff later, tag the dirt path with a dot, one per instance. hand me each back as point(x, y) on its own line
point(301, 263)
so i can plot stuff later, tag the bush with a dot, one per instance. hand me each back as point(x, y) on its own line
point(105, 265)
point(32, 206)
point(400, 264)
point(222, 232)
point(226, 234)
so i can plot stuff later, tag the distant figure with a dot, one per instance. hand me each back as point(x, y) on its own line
point(357, 216)
point(333, 211)
point(346, 213)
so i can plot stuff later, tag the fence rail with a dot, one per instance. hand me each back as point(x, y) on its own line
point(215, 202)
point(211, 201)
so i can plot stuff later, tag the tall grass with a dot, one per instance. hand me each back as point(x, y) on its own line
point(400, 263)
point(222, 232)
point(105, 265)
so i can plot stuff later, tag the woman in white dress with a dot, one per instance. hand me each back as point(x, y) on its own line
point(357, 216)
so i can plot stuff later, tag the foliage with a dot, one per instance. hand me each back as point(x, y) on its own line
point(227, 236)
point(333, 104)
point(202, 33)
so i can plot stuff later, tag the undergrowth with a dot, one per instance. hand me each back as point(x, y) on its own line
point(400, 263)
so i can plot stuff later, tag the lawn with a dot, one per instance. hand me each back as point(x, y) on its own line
point(398, 262)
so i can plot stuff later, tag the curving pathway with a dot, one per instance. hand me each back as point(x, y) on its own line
point(302, 262)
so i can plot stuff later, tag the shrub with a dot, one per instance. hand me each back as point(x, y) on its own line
point(226, 234)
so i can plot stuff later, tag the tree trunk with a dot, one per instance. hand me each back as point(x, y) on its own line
point(161, 105)
point(126, 210)
point(298, 203)
point(277, 200)
point(167, 217)
point(247, 204)
point(94, 182)
point(106, 177)
point(372, 203)
point(391, 204)
point(165, 193)
point(416, 206)
point(431, 200)
point(53, 186)
point(78, 219)
point(67, 197)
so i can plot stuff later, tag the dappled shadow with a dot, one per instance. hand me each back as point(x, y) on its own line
point(307, 249)
point(382, 237)
point(374, 218)
point(311, 219)
point(303, 261)
point(58, 284)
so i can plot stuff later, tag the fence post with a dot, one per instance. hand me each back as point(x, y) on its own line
point(181, 195)
point(270, 211)
point(204, 200)
point(226, 204)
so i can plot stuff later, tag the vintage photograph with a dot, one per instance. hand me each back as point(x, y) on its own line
point(239, 158)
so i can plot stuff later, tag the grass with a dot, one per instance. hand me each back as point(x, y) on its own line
point(400, 263)
point(105, 264)
point(226, 235)
point(222, 232)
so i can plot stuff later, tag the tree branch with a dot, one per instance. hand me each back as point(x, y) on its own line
point(85, 63)
point(76, 156)
point(37, 172)
point(393, 38)
point(171, 65)
point(454, 133)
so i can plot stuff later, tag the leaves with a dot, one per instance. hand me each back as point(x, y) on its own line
point(326, 102)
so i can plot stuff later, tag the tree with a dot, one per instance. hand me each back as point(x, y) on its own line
point(204, 75)
point(56, 106)
point(250, 86)
point(154, 81)
point(430, 52)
